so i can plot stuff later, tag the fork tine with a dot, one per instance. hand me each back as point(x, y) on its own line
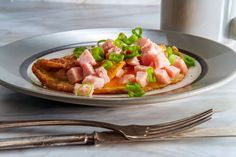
point(178, 128)
point(173, 132)
point(199, 115)
point(179, 122)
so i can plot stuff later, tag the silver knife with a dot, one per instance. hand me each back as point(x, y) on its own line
point(106, 137)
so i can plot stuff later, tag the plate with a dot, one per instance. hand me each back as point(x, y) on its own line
point(215, 65)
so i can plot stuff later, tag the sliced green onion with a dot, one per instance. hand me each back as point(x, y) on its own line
point(133, 38)
point(100, 41)
point(79, 93)
point(169, 51)
point(123, 38)
point(134, 90)
point(78, 51)
point(135, 51)
point(151, 77)
point(115, 57)
point(119, 43)
point(98, 53)
point(172, 58)
point(189, 61)
point(107, 64)
point(138, 31)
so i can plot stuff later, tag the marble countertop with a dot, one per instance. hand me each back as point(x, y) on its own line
point(25, 19)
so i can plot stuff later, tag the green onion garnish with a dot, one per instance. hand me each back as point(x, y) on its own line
point(87, 92)
point(172, 58)
point(123, 38)
point(134, 90)
point(169, 51)
point(115, 57)
point(133, 38)
point(189, 61)
point(107, 64)
point(78, 51)
point(151, 77)
point(119, 43)
point(98, 53)
point(135, 51)
point(138, 31)
point(100, 41)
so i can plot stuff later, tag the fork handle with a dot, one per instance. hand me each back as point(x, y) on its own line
point(30, 123)
point(46, 141)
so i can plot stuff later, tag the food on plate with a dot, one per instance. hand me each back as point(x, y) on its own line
point(128, 64)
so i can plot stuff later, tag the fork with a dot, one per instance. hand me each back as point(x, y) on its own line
point(128, 131)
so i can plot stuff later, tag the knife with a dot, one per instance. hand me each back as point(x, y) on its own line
point(105, 137)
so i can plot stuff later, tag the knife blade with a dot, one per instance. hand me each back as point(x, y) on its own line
point(105, 137)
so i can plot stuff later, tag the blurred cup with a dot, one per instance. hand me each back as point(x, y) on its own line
point(209, 18)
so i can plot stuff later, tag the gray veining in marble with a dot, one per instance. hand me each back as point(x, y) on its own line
point(25, 19)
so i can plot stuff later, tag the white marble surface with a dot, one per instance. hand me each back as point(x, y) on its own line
point(23, 19)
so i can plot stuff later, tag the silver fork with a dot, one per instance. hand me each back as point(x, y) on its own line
point(128, 131)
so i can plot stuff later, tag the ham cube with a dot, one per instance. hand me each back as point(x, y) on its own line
point(143, 42)
point(141, 78)
point(133, 61)
point(86, 57)
point(87, 69)
point(102, 73)
point(155, 60)
point(96, 81)
point(107, 45)
point(84, 89)
point(162, 76)
point(140, 68)
point(120, 73)
point(172, 71)
point(74, 75)
point(179, 63)
point(128, 78)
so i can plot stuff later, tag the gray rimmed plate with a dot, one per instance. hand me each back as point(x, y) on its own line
point(216, 65)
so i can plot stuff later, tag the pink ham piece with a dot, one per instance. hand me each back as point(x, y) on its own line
point(141, 78)
point(102, 73)
point(86, 57)
point(83, 89)
point(107, 45)
point(133, 61)
point(179, 63)
point(128, 78)
point(74, 75)
point(155, 60)
point(120, 73)
point(87, 69)
point(172, 71)
point(143, 42)
point(140, 68)
point(162, 76)
point(96, 81)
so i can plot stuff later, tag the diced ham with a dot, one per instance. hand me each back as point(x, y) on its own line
point(128, 78)
point(84, 89)
point(86, 57)
point(120, 73)
point(96, 81)
point(74, 75)
point(155, 60)
point(162, 76)
point(87, 69)
point(143, 42)
point(141, 78)
point(102, 73)
point(114, 49)
point(140, 68)
point(179, 63)
point(172, 71)
point(107, 45)
point(133, 61)
point(147, 46)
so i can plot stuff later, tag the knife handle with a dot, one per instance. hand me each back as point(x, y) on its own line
point(46, 141)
